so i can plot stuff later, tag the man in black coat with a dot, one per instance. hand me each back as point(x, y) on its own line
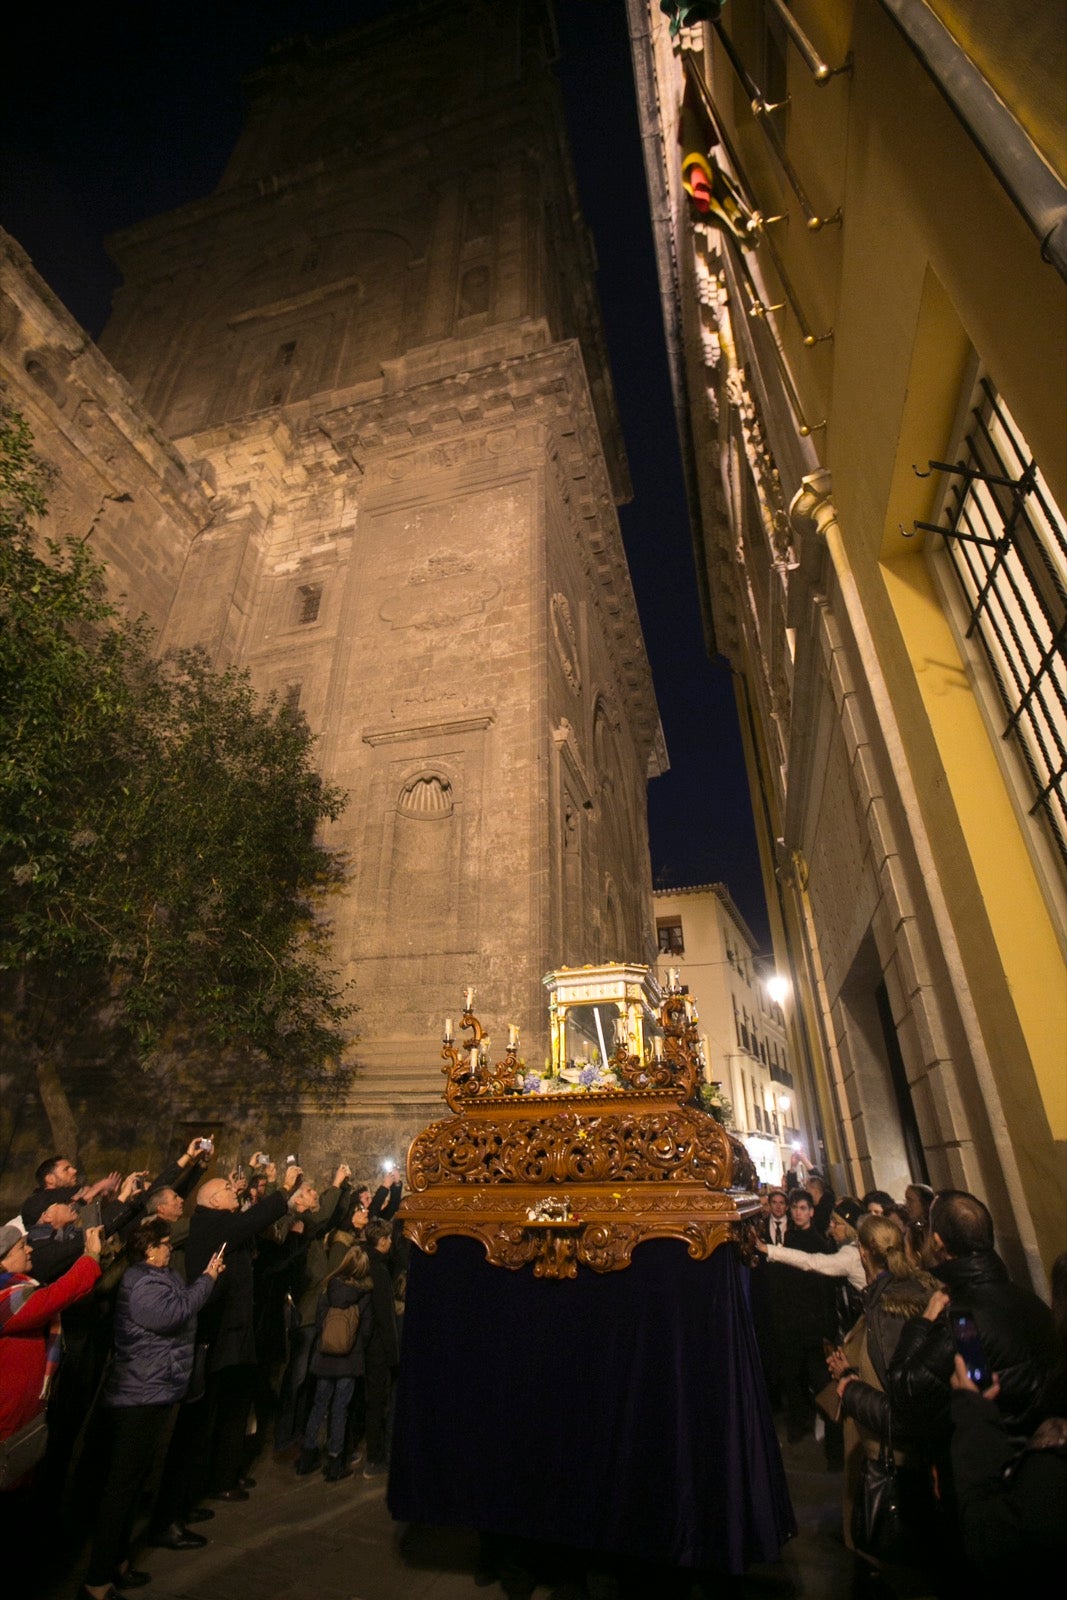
point(206, 1449)
point(803, 1312)
point(1013, 1325)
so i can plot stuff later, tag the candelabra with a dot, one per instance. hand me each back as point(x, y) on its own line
point(467, 1064)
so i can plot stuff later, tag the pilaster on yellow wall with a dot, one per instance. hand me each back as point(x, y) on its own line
point(809, 1040)
point(1019, 919)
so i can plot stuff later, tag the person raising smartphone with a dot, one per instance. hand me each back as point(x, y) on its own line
point(155, 1330)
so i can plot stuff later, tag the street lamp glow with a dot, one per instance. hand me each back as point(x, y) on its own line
point(778, 988)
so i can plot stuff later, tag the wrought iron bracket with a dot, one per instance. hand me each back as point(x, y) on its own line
point(1019, 487)
point(1022, 485)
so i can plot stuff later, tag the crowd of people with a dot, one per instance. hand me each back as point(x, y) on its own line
point(938, 1386)
point(203, 1317)
point(200, 1319)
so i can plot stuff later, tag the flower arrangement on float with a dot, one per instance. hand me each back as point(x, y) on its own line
point(586, 1077)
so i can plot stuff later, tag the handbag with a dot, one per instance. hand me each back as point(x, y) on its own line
point(878, 1529)
point(21, 1451)
point(340, 1330)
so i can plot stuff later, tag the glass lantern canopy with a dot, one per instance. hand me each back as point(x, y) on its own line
point(595, 1010)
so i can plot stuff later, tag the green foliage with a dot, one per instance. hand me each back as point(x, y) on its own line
point(161, 877)
point(714, 1100)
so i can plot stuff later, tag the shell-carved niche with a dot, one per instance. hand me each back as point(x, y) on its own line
point(424, 861)
point(427, 796)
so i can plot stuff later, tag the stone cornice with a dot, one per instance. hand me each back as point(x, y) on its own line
point(429, 730)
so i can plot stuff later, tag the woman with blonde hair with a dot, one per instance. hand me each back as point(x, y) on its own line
point(897, 1290)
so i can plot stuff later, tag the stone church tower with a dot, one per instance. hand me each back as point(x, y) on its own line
point(378, 343)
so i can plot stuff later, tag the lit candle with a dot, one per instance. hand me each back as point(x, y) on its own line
point(513, 1036)
point(672, 977)
point(448, 1029)
point(468, 1000)
point(657, 1046)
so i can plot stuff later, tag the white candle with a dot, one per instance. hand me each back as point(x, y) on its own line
point(468, 1000)
point(657, 1046)
point(448, 1028)
point(474, 1058)
point(513, 1036)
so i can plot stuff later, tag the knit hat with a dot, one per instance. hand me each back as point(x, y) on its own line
point(10, 1234)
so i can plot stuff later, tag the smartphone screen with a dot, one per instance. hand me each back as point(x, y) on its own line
point(91, 1215)
point(965, 1338)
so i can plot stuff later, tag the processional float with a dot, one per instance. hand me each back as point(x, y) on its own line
point(577, 1165)
point(605, 1392)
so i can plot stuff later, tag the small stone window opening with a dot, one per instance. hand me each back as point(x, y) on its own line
point(308, 601)
point(285, 354)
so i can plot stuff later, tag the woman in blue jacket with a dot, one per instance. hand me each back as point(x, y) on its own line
point(155, 1333)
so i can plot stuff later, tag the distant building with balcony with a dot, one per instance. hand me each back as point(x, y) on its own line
point(701, 932)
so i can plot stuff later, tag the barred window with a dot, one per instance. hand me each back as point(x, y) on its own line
point(669, 936)
point(1007, 547)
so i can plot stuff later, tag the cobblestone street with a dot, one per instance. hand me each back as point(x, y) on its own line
point(304, 1539)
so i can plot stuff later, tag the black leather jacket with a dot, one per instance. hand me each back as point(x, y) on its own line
point(889, 1305)
point(1015, 1328)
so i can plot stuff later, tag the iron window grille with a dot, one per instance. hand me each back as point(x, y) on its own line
point(1007, 548)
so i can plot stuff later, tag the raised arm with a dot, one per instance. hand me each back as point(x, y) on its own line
point(835, 1266)
point(161, 1303)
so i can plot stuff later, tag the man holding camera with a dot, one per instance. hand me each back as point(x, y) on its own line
point(206, 1449)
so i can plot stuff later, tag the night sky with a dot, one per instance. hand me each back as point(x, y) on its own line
point(129, 111)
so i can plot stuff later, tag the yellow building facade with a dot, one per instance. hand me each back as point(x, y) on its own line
point(861, 230)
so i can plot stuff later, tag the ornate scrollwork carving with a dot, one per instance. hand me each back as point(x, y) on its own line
point(566, 1147)
point(604, 1245)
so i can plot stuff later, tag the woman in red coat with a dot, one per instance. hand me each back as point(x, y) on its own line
point(29, 1324)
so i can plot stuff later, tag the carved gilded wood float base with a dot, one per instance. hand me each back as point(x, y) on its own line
point(567, 1179)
